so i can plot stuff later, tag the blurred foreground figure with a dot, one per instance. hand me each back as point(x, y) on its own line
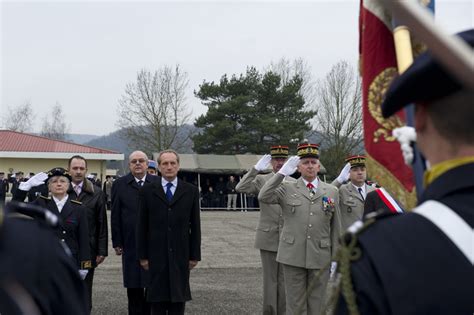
point(422, 262)
point(37, 274)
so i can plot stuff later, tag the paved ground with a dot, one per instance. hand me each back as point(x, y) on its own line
point(226, 281)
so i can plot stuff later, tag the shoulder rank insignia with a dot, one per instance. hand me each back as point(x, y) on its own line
point(45, 197)
point(76, 202)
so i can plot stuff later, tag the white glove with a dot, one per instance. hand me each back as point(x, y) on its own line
point(345, 173)
point(406, 135)
point(290, 166)
point(83, 273)
point(333, 269)
point(262, 164)
point(34, 181)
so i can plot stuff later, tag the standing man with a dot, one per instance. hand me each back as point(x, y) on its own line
point(3, 189)
point(310, 231)
point(108, 191)
point(231, 193)
point(220, 189)
point(151, 167)
point(93, 199)
point(169, 236)
point(268, 229)
point(422, 262)
point(352, 195)
point(124, 221)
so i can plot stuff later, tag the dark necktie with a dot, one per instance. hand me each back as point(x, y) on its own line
point(169, 194)
point(361, 193)
point(140, 183)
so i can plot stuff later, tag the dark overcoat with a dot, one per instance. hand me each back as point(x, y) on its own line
point(169, 236)
point(123, 223)
point(72, 230)
point(93, 199)
point(409, 266)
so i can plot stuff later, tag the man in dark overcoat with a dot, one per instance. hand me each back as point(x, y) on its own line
point(169, 236)
point(123, 223)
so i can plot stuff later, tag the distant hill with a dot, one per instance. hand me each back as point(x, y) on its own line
point(79, 138)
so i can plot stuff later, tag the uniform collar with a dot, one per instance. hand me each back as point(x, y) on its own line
point(443, 167)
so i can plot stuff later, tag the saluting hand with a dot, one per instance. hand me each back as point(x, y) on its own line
point(290, 166)
point(263, 162)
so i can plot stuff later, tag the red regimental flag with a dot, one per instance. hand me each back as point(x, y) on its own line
point(378, 66)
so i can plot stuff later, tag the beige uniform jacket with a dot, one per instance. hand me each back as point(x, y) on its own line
point(312, 225)
point(351, 204)
point(271, 219)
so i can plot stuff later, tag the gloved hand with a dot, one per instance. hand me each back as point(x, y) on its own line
point(83, 273)
point(333, 269)
point(290, 166)
point(34, 181)
point(345, 173)
point(262, 164)
point(406, 135)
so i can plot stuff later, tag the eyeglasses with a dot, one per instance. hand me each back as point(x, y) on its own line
point(137, 161)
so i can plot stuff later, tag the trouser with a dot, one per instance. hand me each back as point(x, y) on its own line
point(137, 304)
point(167, 308)
point(232, 201)
point(273, 284)
point(88, 284)
point(305, 290)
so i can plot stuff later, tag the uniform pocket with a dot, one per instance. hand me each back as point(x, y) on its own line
point(289, 239)
point(324, 243)
point(264, 228)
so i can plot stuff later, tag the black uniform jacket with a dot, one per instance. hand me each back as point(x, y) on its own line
point(35, 267)
point(72, 228)
point(93, 199)
point(408, 266)
point(124, 221)
point(169, 236)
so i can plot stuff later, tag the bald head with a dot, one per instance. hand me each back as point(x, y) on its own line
point(138, 163)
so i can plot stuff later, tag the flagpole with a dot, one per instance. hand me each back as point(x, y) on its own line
point(404, 54)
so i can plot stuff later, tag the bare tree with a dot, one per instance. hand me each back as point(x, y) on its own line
point(19, 118)
point(339, 115)
point(54, 124)
point(298, 67)
point(153, 109)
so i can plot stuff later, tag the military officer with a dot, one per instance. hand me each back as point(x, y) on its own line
point(37, 275)
point(422, 262)
point(268, 230)
point(311, 228)
point(352, 195)
point(73, 230)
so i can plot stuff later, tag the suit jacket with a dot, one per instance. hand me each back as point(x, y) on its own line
point(351, 204)
point(72, 230)
point(4, 186)
point(403, 254)
point(93, 199)
point(123, 225)
point(169, 236)
point(270, 222)
point(312, 224)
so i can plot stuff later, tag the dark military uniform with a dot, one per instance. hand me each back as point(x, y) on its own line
point(36, 274)
point(391, 252)
point(421, 262)
point(72, 228)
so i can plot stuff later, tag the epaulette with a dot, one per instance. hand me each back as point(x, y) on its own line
point(76, 202)
point(45, 197)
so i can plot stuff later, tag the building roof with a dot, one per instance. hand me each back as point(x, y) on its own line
point(19, 144)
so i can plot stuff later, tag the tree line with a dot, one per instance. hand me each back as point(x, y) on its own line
point(246, 112)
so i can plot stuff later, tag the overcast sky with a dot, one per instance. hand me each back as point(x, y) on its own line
point(83, 53)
